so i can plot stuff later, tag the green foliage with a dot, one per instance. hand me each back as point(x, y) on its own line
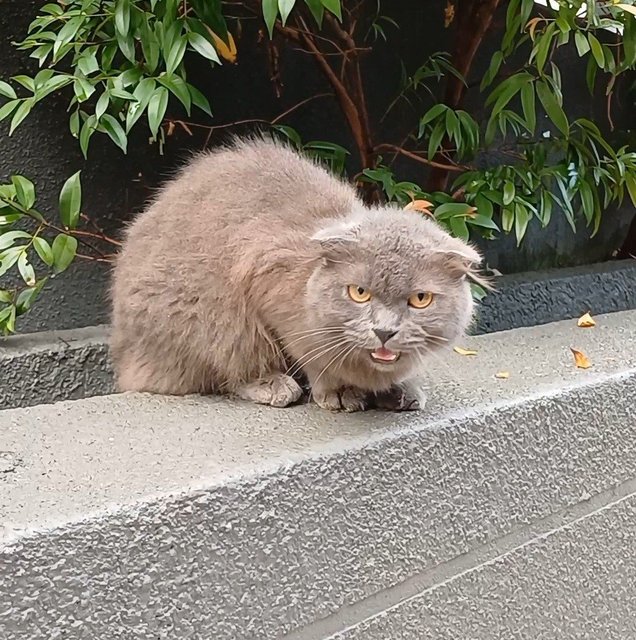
point(37, 248)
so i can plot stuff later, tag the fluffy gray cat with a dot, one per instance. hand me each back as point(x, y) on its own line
point(255, 267)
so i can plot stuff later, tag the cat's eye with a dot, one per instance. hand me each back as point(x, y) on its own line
point(421, 299)
point(358, 294)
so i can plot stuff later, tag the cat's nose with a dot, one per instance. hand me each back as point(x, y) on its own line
point(384, 335)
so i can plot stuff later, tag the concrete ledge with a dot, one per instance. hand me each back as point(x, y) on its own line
point(54, 365)
point(135, 516)
point(62, 365)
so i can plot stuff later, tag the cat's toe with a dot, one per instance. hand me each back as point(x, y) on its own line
point(277, 390)
point(347, 399)
point(400, 399)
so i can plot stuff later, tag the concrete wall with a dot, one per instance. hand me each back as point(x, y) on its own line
point(506, 509)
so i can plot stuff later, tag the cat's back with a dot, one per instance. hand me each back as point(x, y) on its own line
point(254, 183)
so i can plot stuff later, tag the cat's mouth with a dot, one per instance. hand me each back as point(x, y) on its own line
point(385, 356)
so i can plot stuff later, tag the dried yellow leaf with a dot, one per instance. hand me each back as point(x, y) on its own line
point(226, 52)
point(464, 352)
point(502, 375)
point(423, 206)
point(586, 321)
point(449, 13)
point(580, 359)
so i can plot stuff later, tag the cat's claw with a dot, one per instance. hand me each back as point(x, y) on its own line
point(277, 390)
point(400, 399)
point(348, 399)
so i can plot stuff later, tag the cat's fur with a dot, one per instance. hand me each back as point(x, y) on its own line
point(237, 275)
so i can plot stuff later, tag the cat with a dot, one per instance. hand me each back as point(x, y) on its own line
point(255, 267)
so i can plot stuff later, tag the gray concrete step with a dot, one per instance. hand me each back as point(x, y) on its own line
point(137, 516)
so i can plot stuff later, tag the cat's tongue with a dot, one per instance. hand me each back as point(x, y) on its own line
point(384, 355)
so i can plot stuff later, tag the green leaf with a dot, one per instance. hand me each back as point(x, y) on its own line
point(179, 88)
point(431, 115)
point(542, 47)
point(285, 7)
point(88, 129)
point(27, 297)
point(582, 45)
point(508, 193)
point(590, 74)
point(114, 130)
point(26, 82)
point(71, 201)
point(597, 50)
point(544, 212)
point(452, 209)
point(21, 113)
point(143, 92)
point(8, 238)
point(7, 91)
point(175, 55)
point(126, 45)
point(587, 201)
point(7, 318)
point(149, 46)
point(26, 269)
point(203, 46)
point(122, 17)
point(630, 183)
point(199, 100)
point(88, 64)
point(334, 7)
point(64, 249)
point(553, 108)
point(24, 190)
point(83, 88)
point(480, 220)
point(483, 205)
point(102, 105)
point(157, 109)
point(528, 105)
point(270, 12)
point(8, 108)
point(459, 228)
point(522, 217)
point(317, 10)
point(6, 296)
point(9, 258)
point(436, 139)
point(493, 69)
point(43, 249)
point(507, 219)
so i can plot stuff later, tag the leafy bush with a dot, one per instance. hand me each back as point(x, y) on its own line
point(121, 62)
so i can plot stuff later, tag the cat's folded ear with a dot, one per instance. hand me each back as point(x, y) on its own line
point(336, 240)
point(460, 259)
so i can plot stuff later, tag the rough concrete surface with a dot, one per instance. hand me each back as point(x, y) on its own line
point(136, 516)
point(56, 365)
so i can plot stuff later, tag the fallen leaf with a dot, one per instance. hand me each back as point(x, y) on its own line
point(580, 359)
point(423, 206)
point(226, 52)
point(586, 321)
point(449, 14)
point(464, 352)
point(502, 375)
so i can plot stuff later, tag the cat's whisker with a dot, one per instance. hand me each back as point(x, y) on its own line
point(305, 331)
point(323, 349)
point(347, 349)
point(432, 336)
point(325, 334)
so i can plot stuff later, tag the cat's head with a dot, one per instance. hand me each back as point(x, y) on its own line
point(394, 282)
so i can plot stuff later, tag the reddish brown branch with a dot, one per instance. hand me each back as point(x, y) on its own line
point(414, 156)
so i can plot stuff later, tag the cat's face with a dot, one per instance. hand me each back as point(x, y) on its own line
point(393, 286)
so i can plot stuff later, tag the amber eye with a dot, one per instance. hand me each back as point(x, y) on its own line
point(421, 300)
point(358, 294)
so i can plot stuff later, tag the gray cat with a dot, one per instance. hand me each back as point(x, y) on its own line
point(256, 266)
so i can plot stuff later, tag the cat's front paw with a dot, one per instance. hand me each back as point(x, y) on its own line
point(277, 390)
point(347, 399)
point(399, 398)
